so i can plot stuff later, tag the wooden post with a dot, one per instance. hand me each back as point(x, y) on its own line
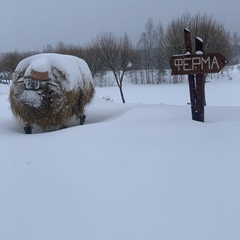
point(200, 85)
point(196, 66)
point(191, 79)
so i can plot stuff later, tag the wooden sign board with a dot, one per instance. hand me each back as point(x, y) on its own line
point(197, 63)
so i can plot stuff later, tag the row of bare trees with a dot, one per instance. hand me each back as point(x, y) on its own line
point(150, 56)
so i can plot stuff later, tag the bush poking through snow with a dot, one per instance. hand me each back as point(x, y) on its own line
point(107, 99)
point(49, 89)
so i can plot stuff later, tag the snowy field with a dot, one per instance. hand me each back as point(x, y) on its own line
point(137, 171)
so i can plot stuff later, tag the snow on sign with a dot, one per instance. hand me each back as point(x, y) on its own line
point(197, 63)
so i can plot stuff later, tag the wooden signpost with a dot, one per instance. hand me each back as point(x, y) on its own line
point(197, 63)
point(196, 66)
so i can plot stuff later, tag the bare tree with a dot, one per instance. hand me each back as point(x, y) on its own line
point(91, 55)
point(159, 52)
point(117, 54)
point(214, 35)
point(8, 63)
point(235, 41)
point(48, 49)
point(69, 49)
point(147, 45)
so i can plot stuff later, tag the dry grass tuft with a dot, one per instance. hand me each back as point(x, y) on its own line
point(56, 107)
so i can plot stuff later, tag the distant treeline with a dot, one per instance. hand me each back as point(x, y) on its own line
point(151, 54)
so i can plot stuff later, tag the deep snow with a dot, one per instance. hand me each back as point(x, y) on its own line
point(137, 171)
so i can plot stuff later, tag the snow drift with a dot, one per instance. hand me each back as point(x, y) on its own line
point(49, 89)
point(136, 171)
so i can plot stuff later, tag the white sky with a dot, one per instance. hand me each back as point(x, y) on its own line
point(31, 25)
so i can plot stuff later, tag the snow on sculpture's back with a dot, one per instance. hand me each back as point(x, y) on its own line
point(49, 89)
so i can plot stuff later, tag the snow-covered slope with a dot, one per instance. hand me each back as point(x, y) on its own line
point(134, 171)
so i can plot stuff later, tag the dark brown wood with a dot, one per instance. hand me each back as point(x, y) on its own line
point(200, 98)
point(200, 86)
point(197, 63)
point(187, 39)
point(191, 79)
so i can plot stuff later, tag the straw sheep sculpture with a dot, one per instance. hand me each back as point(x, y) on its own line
point(50, 89)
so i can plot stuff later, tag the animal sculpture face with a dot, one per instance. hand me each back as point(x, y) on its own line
point(36, 80)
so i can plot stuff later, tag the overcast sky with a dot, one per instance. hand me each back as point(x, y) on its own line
point(31, 25)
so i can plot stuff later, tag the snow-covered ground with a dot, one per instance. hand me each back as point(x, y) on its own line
point(137, 171)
